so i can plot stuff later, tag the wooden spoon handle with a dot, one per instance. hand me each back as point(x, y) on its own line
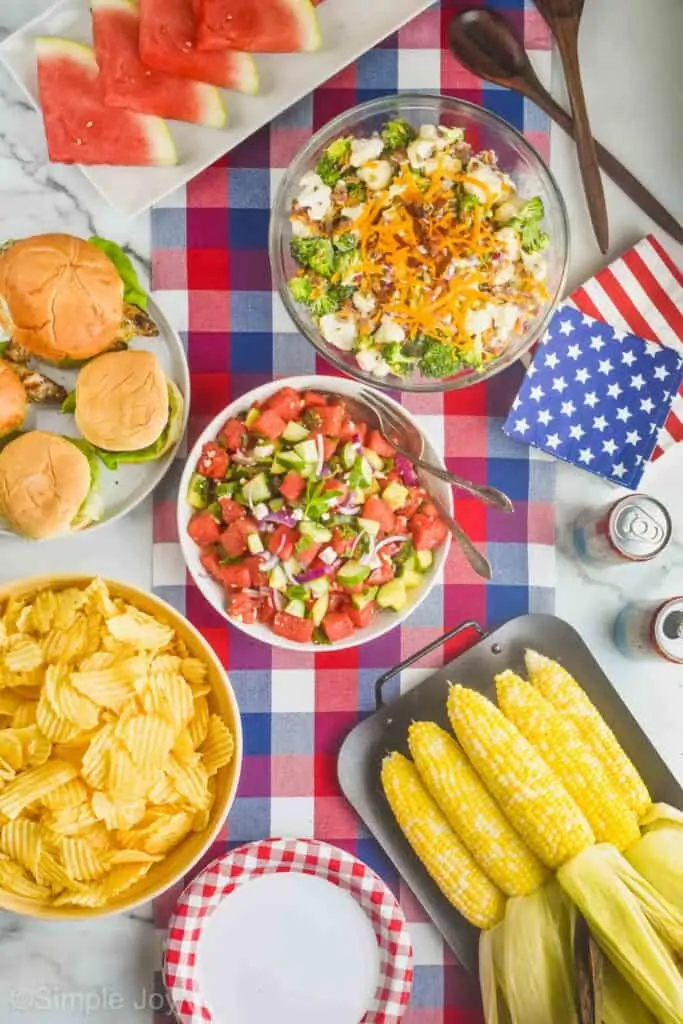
point(619, 174)
point(588, 161)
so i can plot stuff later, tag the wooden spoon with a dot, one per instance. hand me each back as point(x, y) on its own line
point(563, 18)
point(487, 45)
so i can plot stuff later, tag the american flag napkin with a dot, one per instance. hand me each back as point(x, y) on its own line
point(642, 293)
point(596, 396)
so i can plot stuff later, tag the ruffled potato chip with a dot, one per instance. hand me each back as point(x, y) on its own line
point(218, 747)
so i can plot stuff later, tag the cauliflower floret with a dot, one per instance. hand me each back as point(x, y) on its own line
point(479, 320)
point(376, 174)
point(428, 131)
point(389, 331)
point(339, 329)
point(492, 181)
point(419, 151)
point(505, 273)
point(508, 239)
point(363, 150)
point(315, 196)
point(365, 304)
point(536, 263)
point(371, 361)
point(504, 319)
point(301, 229)
point(352, 212)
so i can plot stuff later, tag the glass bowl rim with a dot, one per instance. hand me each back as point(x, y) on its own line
point(276, 225)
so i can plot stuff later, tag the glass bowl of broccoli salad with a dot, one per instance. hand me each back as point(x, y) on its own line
point(419, 243)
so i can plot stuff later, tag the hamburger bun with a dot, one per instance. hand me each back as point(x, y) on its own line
point(12, 400)
point(122, 401)
point(60, 297)
point(44, 480)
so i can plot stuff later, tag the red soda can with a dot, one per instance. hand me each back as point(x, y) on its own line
point(651, 630)
point(634, 529)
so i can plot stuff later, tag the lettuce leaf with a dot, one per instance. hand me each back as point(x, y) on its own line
point(69, 403)
point(132, 289)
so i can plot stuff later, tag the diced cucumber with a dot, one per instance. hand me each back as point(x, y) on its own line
point(369, 525)
point(216, 511)
point(352, 573)
point(307, 451)
point(357, 497)
point(276, 505)
point(424, 559)
point(297, 608)
point(198, 491)
point(395, 495)
point(318, 534)
point(251, 417)
point(263, 451)
point(364, 598)
point(277, 579)
point(319, 609)
point(294, 432)
point(256, 489)
point(366, 469)
point(349, 455)
point(393, 595)
point(276, 467)
point(411, 578)
point(224, 490)
point(374, 459)
point(297, 593)
point(292, 567)
point(290, 460)
point(254, 543)
point(319, 587)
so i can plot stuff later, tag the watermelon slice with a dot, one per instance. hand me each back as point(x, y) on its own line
point(167, 33)
point(276, 26)
point(126, 81)
point(79, 128)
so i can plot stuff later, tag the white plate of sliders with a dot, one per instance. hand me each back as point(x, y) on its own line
point(94, 387)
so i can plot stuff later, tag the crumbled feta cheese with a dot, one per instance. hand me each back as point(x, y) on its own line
point(352, 212)
point(363, 150)
point(376, 174)
point(339, 330)
point(536, 263)
point(300, 229)
point(328, 556)
point(261, 510)
point(508, 240)
point(492, 181)
point(365, 304)
point(297, 513)
point(315, 196)
point(478, 320)
point(371, 361)
point(388, 331)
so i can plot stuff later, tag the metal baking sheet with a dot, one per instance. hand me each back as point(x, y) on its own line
point(363, 749)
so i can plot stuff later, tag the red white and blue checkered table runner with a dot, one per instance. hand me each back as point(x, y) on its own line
point(211, 275)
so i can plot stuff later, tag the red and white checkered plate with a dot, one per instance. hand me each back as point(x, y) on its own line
point(275, 856)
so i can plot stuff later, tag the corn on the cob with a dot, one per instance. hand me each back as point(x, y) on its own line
point(620, 1004)
point(561, 746)
point(658, 854)
point(457, 875)
point(472, 812)
point(565, 694)
point(634, 927)
point(530, 795)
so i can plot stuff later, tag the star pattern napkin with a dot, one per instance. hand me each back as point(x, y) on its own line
point(596, 397)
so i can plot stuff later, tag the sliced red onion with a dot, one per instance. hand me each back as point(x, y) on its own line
point(321, 455)
point(315, 574)
point(405, 470)
point(281, 544)
point(290, 576)
point(282, 518)
point(241, 459)
point(357, 443)
point(396, 539)
point(250, 592)
point(348, 510)
point(369, 555)
point(326, 470)
point(278, 599)
point(269, 562)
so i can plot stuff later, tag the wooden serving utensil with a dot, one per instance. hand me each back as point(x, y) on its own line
point(563, 18)
point(488, 46)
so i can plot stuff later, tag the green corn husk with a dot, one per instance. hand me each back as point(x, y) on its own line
point(538, 975)
point(635, 927)
point(491, 946)
point(658, 854)
point(620, 1004)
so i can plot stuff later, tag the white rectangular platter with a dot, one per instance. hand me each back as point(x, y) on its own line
point(349, 28)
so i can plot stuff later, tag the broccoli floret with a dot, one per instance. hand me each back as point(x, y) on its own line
point(440, 360)
point(531, 210)
point(467, 203)
point(334, 159)
point(345, 266)
point(346, 242)
point(533, 239)
point(395, 357)
point(356, 193)
point(301, 289)
point(331, 300)
point(397, 134)
point(314, 254)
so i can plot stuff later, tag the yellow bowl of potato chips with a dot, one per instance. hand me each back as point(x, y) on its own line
point(120, 746)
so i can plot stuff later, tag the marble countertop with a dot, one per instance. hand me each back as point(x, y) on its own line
point(99, 971)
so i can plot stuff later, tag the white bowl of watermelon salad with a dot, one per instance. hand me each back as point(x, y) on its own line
point(298, 524)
